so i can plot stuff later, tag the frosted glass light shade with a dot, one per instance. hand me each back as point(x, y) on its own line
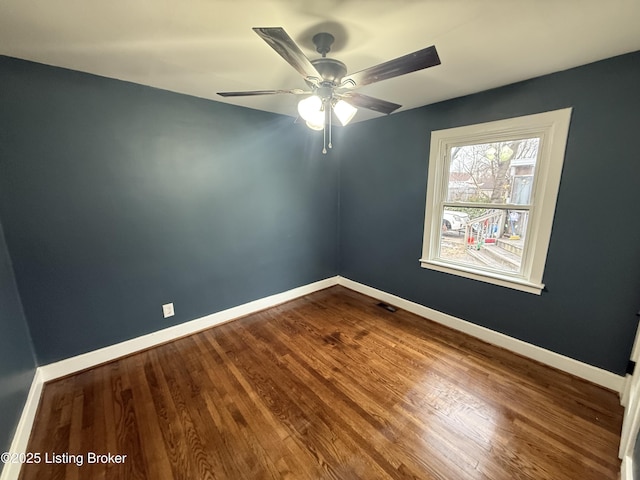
point(315, 126)
point(344, 111)
point(310, 109)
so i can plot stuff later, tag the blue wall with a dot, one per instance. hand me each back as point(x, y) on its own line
point(593, 265)
point(117, 198)
point(17, 360)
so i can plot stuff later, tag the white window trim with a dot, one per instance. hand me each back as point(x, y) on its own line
point(553, 128)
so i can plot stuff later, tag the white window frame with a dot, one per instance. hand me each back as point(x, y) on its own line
point(552, 128)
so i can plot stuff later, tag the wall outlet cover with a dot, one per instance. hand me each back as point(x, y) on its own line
point(167, 310)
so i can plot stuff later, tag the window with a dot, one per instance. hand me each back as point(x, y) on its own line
point(491, 196)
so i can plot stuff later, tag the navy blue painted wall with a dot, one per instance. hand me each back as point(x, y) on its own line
point(593, 264)
point(117, 198)
point(17, 360)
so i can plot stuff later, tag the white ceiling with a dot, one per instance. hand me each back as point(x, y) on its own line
point(200, 47)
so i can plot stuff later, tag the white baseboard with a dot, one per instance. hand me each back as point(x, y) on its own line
point(103, 355)
point(87, 360)
point(23, 431)
point(626, 468)
point(579, 369)
point(78, 363)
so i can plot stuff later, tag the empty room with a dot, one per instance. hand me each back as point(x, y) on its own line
point(341, 239)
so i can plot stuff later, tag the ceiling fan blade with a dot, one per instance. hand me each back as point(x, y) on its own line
point(282, 43)
point(425, 58)
point(371, 103)
point(250, 93)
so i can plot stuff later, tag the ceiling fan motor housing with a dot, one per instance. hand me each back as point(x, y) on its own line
point(332, 70)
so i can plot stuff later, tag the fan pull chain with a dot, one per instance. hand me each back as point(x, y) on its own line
point(329, 115)
point(324, 143)
point(324, 130)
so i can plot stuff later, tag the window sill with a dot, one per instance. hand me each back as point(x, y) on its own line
point(496, 279)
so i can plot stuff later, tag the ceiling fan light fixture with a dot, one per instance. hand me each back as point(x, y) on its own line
point(315, 126)
point(310, 109)
point(344, 111)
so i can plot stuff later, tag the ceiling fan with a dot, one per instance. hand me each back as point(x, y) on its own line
point(331, 89)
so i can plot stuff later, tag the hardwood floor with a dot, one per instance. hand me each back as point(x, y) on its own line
point(329, 386)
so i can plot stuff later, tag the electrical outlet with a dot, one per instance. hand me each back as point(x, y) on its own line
point(167, 310)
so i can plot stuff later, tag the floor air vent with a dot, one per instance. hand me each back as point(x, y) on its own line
point(386, 306)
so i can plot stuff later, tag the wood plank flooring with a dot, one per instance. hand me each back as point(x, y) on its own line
point(328, 386)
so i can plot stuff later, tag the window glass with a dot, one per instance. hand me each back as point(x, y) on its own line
point(497, 172)
point(489, 238)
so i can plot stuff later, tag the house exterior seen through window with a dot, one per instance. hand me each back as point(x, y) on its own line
point(491, 196)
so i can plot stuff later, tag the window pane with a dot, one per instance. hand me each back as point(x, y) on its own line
point(491, 239)
point(497, 172)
